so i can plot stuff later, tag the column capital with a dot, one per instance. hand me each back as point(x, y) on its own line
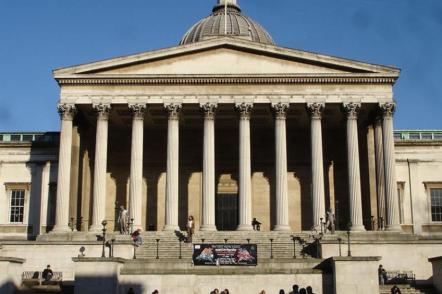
point(351, 109)
point(280, 109)
point(173, 109)
point(102, 110)
point(388, 109)
point(244, 109)
point(66, 111)
point(209, 109)
point(315, 110)
point(137, 110)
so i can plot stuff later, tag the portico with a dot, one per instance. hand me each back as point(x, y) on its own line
point(177, 142)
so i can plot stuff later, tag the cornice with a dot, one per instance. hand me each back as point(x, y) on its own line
point(223, 79)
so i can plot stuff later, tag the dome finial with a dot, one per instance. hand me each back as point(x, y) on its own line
point(228, 2)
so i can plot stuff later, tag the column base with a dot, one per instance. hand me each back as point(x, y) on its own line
point(171, 228)
point(207, 228)
point(95, 229)
point(282, 228)
point(394, 228)
point(244, 227)
point(357, 228)
point(60, 229)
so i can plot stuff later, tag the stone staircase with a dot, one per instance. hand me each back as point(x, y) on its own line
point(281, 246)
point(407, 289)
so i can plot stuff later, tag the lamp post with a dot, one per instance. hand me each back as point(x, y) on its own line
point(337, 215)
point(348, 239)
point(111, 253)
point(104, 223)
point(71, 224)
point(158, 241)
point(131, 225)
point(340, 241)
point(294, 246)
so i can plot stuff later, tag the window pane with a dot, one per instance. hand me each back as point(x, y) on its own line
point(414, 136)
point(436, 205)
point(15, 138)
point(427, 136)
point(17, 206)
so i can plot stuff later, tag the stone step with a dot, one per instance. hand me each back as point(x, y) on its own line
point(386, 289)
point(173, 266)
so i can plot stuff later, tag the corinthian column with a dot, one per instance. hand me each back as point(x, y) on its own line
point(136, 164)
point(245, 177)
point(100, 166)
point(392, 203)
point(354, 176)
point(67, 112)
point(208, 217)
point(172, 168)
point(282, 201)
point(380, 175)
point(315, 110)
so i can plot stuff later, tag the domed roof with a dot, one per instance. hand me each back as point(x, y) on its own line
point(237, 25)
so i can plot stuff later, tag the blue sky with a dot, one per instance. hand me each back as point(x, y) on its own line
point(39, 36)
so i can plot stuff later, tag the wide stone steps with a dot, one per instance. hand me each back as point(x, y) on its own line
point(281, 247)
point(407, 289)
point(265, 266)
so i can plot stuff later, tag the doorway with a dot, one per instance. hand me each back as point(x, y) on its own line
point(227, 212)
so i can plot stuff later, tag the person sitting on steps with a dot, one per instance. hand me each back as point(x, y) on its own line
point(256, 224)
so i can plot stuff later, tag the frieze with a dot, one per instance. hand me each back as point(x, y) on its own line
point(229, 80)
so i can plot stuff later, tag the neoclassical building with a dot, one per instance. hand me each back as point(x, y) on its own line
point(226, 126)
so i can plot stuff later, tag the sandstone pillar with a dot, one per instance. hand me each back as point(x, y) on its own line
point(100, 166)
point(315, 110)
point(208, 213)
point(172, 176)
point(392, 201)
point(136, 164)
point(354, 176)
point(67, 112)
point(282, 201)
point(245, 177)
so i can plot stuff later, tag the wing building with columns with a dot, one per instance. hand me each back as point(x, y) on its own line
point(227, 126)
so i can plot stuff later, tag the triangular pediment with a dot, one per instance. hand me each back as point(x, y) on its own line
point(224, 56)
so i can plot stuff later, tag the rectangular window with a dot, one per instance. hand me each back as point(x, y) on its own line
point(17, 206)
point(415, 136)
point(436, 204)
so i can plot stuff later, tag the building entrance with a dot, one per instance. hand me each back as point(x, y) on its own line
point(227, 212)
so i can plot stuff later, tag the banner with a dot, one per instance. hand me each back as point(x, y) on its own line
point(225, 254)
